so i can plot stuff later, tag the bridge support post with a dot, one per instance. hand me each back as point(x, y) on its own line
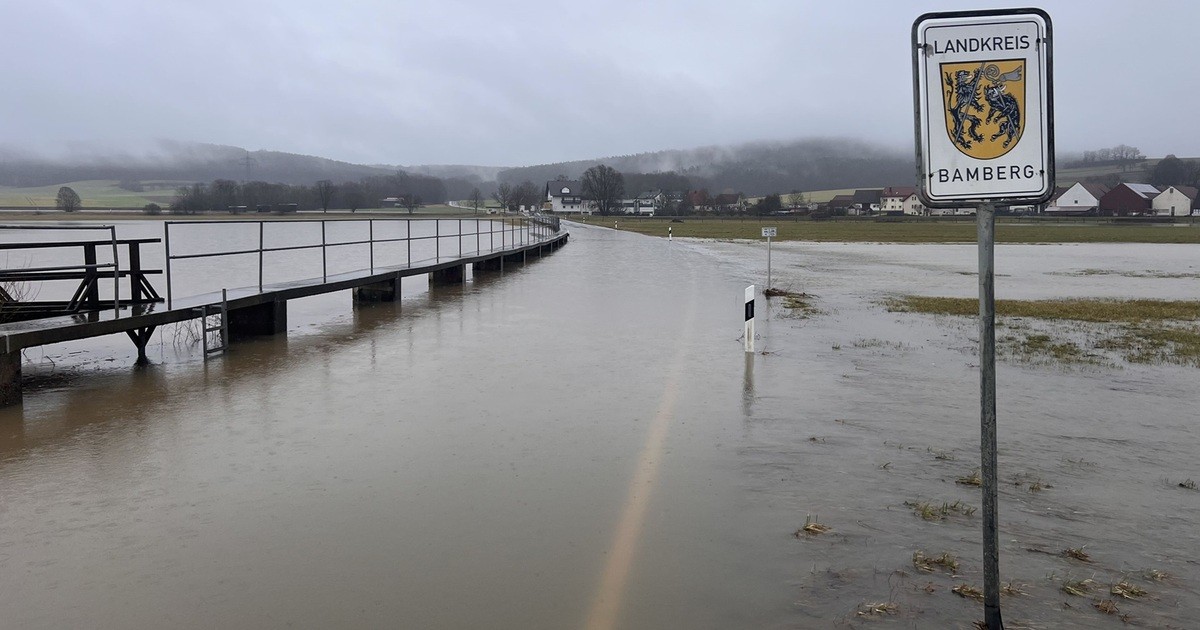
point(449, 275)
point(10, 378)
point(140, 337)
point(491, 264)
point(385, 291)
point(268, 318)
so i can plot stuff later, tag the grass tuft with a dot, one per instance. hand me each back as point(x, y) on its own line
point(1012, 589)
point(968, 591)
point(1078, 588)
point(1126, 590)
point(972, 479)
point(811, 527)
point(931, 511)
point(1077, 553)
point(879, 608)
point(927, 564)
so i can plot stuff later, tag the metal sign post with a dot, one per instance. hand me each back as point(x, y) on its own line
point(769, 233)
point(983, 95)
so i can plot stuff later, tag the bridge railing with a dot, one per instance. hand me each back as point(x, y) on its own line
point(509, 232)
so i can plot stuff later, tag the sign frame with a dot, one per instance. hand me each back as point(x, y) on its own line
point(770, 232)
point(923, 110)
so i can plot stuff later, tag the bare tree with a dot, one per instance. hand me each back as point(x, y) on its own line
point(67, 200)
point(526, 194)
point(504, 196)
point(603, 187)
point(410, 201)
point(795, 199)
point(476, 199)
point(325, 190)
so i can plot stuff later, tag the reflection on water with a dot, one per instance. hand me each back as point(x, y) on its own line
point(463, 458)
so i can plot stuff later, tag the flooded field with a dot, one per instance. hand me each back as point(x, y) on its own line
point(582, 442)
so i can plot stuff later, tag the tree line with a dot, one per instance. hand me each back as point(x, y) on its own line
point(226, 195)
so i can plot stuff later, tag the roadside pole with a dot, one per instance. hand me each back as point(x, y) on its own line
point(985, 221)
point(769, 233)
point(967, 62)
point(668, 234)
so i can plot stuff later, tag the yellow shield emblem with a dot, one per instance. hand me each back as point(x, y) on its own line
point(985, 106)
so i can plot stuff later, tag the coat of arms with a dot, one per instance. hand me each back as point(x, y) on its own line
point(985, 105)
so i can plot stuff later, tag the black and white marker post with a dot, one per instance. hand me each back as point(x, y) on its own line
point(750, 319)
point(966, 63)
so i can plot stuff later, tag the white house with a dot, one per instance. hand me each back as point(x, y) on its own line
point(901, 199)
point(1082, 198)
point(1175, 201)
point(642, 205)
point(566, 196)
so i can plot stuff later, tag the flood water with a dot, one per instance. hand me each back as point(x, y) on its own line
point(582, 442)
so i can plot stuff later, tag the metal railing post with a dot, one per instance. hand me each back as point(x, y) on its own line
point(437, 241)
point(324, 268)
point(260, 255)
point(477, 237)
point(460, 238)
point(371, 244)
point(408, 239)
point(116, 271)
point(167, 246)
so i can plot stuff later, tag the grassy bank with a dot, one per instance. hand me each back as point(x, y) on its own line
point(904, 232)
point(1138, 331)
point(1083, 310)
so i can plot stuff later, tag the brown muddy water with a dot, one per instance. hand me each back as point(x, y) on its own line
point(582, 442)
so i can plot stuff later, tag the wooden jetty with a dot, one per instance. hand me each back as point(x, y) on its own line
point(243, 312)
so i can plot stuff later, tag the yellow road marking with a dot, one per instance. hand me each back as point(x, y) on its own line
point(607, 602)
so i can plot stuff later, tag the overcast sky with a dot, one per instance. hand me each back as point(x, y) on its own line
point(520, 82)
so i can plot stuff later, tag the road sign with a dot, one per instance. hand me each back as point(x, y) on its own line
point(983, 93)
point(769, 232)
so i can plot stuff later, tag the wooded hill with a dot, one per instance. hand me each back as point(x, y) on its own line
point(757, 168)
point(754, 169)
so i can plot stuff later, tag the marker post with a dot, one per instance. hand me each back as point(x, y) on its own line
point(749, 333)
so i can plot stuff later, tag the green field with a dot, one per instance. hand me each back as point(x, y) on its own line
point(93, 193)
point(905, 232)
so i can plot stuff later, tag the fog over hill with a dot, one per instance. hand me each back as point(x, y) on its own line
point(755, 168)
point(179, 161)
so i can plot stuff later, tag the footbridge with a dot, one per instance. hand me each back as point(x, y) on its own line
point(113, 292)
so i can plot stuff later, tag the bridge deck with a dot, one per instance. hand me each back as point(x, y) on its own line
point(25, 334)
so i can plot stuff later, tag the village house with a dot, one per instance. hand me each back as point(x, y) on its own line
point(1081, 199)
point(644, 204)
point(566, 196)
point(1127, 199)
point(866, 201)
point(1176, 201)
point(901, 199)
point(728, 202)
point(840, 204)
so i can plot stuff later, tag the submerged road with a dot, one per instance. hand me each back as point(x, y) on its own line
point(550, 452)
point(583, 443)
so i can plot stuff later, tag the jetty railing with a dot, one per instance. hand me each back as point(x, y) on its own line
point(509, 231)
